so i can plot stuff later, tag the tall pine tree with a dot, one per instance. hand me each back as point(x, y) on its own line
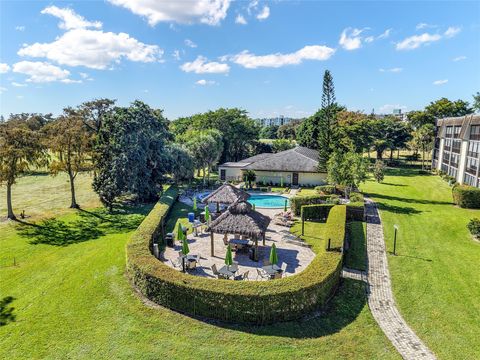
point(327, 122)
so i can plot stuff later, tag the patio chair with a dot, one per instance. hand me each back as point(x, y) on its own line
point(225, 240)
point(278, 275)
point(284, 268)
point(216, 273)
point(175, 264)
point(243, 276)
point(262, 275)
point(191, 265)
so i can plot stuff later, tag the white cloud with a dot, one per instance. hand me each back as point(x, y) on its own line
point(415, 41)
point(369, 39)
point(70, 20)
point(424, 26)
point(201, 66)
point(70, 81)
point(4, 68)
point(2, 89)
point(385, 34)
point(210, 12)
point(16, 84)
point(41, 71)
point(388, 108)
point(85, 76)
point(240, 19)
point(393, 70)
point(252, 61)
point(176, 55)
point(440, 82)
point(93, 48)
point(20, 28)
point(190, 43)
point(459, 58)
point(204, 82)
point(19, 97)
point(350, 39)
point(264, 14)
point(452, 31)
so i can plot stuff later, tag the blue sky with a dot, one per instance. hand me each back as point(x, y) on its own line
point(266, 57)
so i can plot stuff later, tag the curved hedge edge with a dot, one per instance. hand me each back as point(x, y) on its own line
point(255, 302)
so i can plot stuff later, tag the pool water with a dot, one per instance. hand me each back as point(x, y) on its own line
point(268, 201)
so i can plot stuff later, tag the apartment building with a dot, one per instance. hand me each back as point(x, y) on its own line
point(457, 148)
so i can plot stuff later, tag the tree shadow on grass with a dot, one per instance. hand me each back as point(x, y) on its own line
point(343, 309)
point(6, 311)
point(89, 225)
point(398, 209)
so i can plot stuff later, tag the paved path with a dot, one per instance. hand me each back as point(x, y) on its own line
point(354, 274)
point(380, 297)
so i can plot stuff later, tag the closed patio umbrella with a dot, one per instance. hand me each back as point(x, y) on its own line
point(180, 234)
point(185, 249)
point(207, 214)
point(273, 255)
point(228, 256)
point(195, 204)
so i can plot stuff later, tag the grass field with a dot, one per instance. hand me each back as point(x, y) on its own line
point(73, 300)
point(435, 276)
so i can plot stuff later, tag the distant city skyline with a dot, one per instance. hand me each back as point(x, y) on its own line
point(265, 57)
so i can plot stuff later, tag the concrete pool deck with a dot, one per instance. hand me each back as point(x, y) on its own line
point(296, 257)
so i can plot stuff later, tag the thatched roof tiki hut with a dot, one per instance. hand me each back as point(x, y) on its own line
point(226, 194)
point(241, 219)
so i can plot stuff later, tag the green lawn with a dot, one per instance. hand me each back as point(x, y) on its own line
point(356, 255)
point(73, 300)
point(436, 277)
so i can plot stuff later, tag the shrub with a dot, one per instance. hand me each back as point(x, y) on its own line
point(356, 197)
point(257, 302)
point(316, 212)
point(466, 196)
point(474, 227)
point(335, 227)
point(325, 189)
point(297, 202)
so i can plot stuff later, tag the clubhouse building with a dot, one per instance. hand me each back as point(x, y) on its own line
point(297, 166)
point(457, 148)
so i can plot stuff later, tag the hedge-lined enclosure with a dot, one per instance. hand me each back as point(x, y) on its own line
point(256, 302)
point(355, 211)
point(466, 196)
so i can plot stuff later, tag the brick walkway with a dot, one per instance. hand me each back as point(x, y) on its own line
point(380, 297)
point(354, 274)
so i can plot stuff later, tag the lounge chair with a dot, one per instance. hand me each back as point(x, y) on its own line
point(262, 275)
point(175, 264)
point(284, 268)
point(243, 276)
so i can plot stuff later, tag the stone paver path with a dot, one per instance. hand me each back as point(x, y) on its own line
point(380, 297)
point(354, 274)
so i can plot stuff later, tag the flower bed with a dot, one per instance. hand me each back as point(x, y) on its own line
point(256, 302)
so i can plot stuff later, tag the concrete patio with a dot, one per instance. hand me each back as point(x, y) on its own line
point(297, 257)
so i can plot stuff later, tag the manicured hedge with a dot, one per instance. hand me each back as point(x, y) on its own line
point(356, 211)
point(297, 202)
point(316, 212)
point(335, 227)
point(256, 302)
point(466, 196)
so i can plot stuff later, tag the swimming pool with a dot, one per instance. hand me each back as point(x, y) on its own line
point(260, 200)
point(268, 201)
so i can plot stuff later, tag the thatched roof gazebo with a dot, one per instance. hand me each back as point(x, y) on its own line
point(240, 218)
point(226, 194)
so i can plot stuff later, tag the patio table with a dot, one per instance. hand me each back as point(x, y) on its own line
point(239, 242)
point(228, 271)
point(272, 270)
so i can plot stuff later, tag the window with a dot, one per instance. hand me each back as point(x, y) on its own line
point(456, 145)
point(448, 145)
point(456, 131)
point(449, 132)
point(472, 165)
point(470, 180)
point(473, 149)
point(475, 132)
point(454, 160)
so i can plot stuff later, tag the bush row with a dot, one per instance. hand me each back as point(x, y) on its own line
point(466, 196)
point(355, 211)
point(257, 302)
point(297, 202)
point(335, 227)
